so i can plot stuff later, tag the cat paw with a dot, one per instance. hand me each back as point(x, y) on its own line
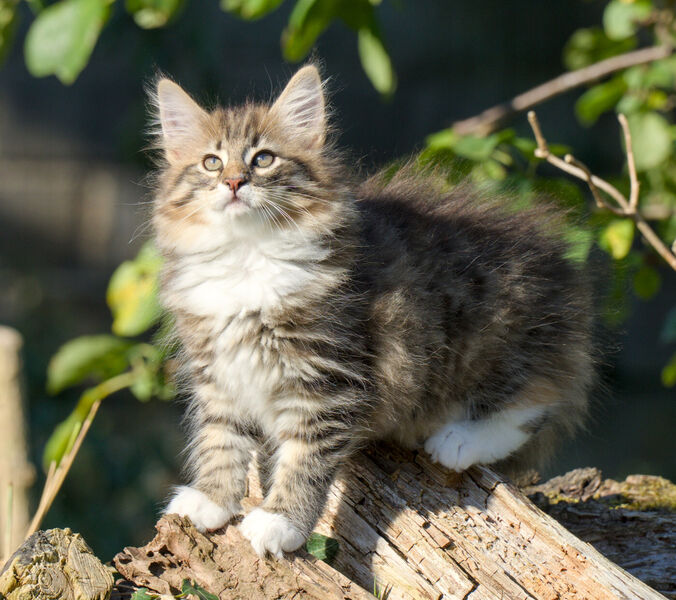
point(456, 446)
point(205, 514)
point(271, 532)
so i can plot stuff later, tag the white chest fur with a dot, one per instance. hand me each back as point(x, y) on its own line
point(247, 276)
point(226, 287)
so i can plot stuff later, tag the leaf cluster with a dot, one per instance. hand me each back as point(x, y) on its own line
point(645, 94)
point(113, 362)
point(63, 34)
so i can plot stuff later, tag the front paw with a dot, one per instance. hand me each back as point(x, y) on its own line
point(271, 532)
point(205, 514)
point(456, 446)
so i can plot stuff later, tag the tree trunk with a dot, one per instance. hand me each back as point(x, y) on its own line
point(414, 530)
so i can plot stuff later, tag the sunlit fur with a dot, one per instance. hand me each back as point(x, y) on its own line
point(316, 314)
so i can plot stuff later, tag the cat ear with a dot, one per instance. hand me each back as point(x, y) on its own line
point(300, 108)
point(181, 119)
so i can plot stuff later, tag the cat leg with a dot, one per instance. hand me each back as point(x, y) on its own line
point(460, 444)
point(304, 467)
point(219, 457)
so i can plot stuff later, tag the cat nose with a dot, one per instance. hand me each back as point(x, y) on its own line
point(234, 183)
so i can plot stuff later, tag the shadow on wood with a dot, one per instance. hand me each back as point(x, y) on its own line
point(419, 531)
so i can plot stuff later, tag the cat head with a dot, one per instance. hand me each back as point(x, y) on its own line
point(233, 173)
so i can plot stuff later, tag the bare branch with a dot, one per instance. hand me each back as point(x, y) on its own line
point(601, 202)
point(625, 208)
point(489, 120)
point(631, 165)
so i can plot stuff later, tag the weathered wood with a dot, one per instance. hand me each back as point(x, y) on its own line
point(430, 533)
point(51, 564)
point(226, 565)
point(16, 473)
point(415, 529)
point(632, 523)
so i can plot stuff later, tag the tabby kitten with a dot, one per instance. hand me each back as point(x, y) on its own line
point(316, 314)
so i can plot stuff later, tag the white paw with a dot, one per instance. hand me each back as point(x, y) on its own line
point(205, 514)
point(456, 446)
point(271, 532)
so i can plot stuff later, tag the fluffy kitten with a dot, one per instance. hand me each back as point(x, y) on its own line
point(316, 314)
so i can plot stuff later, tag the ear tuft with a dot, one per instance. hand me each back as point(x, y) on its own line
point(301, 108)
point(180, 116)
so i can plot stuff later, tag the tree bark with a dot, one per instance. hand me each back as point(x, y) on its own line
point(414, 530)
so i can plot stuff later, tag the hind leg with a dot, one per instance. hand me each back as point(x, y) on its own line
point(460, 444)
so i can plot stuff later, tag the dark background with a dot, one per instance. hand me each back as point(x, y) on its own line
point(73, 205)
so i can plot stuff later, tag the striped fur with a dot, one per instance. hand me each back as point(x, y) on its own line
point(316, 314)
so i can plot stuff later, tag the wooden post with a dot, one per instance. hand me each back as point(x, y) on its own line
point(16, 473)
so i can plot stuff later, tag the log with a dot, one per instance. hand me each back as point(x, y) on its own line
point(632, 523)
point(225, 564)
point(409, 529)
point(56, 563)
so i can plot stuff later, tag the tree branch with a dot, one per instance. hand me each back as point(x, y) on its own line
point(489, 120)
point(625, 208)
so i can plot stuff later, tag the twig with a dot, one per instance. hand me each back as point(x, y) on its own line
point(601, 202)
point(633, 178)
point(625, 208)
point(487, 121)
point(57, 475)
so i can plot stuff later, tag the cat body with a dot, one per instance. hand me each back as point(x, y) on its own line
point(316, 314)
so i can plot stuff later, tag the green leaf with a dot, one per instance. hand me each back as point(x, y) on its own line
point(322, 547)
point(617, 237)
point(442, 140)
point(143, 594)
point(132, 293)
point(579, 241)
point(9, 19)
point(588, 46)
point(150, 14)
point(376, 61)
point(669, 372)
point(61, 440)
point(96, 356)
point(250, 9)
point(651, 139)
point(62, 38)
point(621, 17)
point(630, 103)
point(308, 19)
point(490, 169)
point(647, 282)
point(188, 587)
point(475, 148)
point(599, 99)
point(668, 333)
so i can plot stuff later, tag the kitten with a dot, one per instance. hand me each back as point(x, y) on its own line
point(316, 314)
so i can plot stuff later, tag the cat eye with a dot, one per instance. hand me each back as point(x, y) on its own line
point(263, 159)
point(212, 163)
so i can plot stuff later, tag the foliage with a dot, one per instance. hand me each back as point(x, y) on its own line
point(189, 589)
point(113, 362)
point(322, 547)
point(504, 161)
point(500, 162)
point(63, 35)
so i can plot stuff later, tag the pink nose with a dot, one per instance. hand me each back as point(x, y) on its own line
point(235, 183)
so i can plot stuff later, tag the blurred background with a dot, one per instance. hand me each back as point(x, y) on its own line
point(73, 205)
